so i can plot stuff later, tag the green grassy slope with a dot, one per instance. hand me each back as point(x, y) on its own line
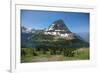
point(31, 55)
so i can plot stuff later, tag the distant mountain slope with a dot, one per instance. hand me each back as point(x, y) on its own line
point(56, 35)
point(84, 36)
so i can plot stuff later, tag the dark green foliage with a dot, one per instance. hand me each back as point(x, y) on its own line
point(44, 43)
point(28, 52)
point(52, 45)
point(23, 52)
point(69, 52)
point(41, 37)
point(31, 55)
point(34, 52)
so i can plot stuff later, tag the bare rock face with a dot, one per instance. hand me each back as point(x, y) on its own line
point(58, 28)
point(60, 25)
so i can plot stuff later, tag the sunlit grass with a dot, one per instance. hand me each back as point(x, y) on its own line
point(37, 56)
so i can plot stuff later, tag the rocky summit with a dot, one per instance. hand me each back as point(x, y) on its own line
point(58, 28)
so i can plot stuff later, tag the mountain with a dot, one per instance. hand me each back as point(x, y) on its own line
point(56, 35)
point(26, 37)
point(27, 30)
point(59, 25)
point(84, 36)
point(58, 28)
point(23, 29)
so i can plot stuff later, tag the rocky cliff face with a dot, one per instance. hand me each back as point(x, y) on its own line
point(58, 28)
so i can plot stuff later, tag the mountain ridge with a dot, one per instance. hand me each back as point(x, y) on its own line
point(57, 30)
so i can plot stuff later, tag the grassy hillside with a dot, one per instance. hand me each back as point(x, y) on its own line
point(32, 55)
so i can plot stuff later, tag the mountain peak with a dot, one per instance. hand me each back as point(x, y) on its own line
point(59, 21)
point(59, 25)
point(58, 28)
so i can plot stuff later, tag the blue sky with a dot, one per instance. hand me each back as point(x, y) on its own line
point(76, 22)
